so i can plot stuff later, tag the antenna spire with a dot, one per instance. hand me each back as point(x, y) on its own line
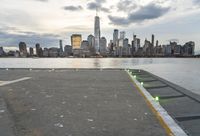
point(96, 12)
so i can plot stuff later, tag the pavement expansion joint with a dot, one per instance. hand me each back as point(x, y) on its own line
point(148, 81)
point(156, 87)
point(188, 117)
point(171, 97)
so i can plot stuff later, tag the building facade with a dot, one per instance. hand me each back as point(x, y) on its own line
point(76, 40)
point(23, 49)
point(97, 33)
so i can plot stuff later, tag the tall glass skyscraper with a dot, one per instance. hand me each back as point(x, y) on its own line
point(115, 37)
point(97, 33)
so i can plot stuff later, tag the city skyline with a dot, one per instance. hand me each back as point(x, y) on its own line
point(29, 26)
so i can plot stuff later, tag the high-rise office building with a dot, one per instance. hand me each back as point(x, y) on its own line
point(46, 52)
point(115, 37)
point(188, 48)
point(91, 40)
point(103, 46)
point(61, 46)
point(76, 40)
point(68, 50)
point(126, 48)
point(152, 39)
point(1, 51)
point(97, 33)
point(85, 45)
point(31, 51)
point(37, 46)
point(121, 39)
point(122, 35)
point(157, 43)
point(23, 49)
point(39, 51)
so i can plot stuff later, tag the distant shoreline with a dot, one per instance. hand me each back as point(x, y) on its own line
point(197, 56)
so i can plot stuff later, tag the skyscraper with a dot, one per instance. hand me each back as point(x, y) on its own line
point(122, 35)
point(121, 43)
point(91, 40)
point(115, 37)
point(152, 39)
point(23, 49)
point(31, 51)
point(37, 46)
point(103, 46)
point(1, 51)
point(85, 45)
point(61, 46)
point(76, 40)
point(97, 33)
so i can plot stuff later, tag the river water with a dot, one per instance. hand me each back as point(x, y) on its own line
point(182, 71)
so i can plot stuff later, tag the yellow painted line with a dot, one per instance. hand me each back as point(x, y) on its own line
point(171, 131)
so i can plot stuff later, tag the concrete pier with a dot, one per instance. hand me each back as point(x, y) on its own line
point(73, 103)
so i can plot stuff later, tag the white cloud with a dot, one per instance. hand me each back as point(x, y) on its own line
point(48, 16)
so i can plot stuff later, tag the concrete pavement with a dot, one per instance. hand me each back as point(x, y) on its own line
point(75, 103)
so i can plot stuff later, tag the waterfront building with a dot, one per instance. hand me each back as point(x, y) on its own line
point(177, 50)
point(115, 37)
point(126, 48)
point(122, 35)
point(140, 52)
point(103, 46)
point(121, 44)
point(97, 33)
point(78, 53)
point(147, 48)
point(2, 53)
point(111, 48)
point(85, 45)
point(61, 45)
point(152, 39)
point(39, 51)
point(188, 48)
point(61, 52)
point(31, 52)
point(13, 53)
point(158, 51)
point(46, 52)
point(76, 40)
point(119, 49)
point(173, 45)
point(37, 47)
point(135, 45)
point(157, 42)
point(54, 52)
point(168, 50)
point(91, 40)
point(68, 50)
point(85, 49)
point(23, 49)
point(115, 42)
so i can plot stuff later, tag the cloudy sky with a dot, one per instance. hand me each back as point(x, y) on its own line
point(47, 21)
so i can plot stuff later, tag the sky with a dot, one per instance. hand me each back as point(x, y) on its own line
point(47, 21)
